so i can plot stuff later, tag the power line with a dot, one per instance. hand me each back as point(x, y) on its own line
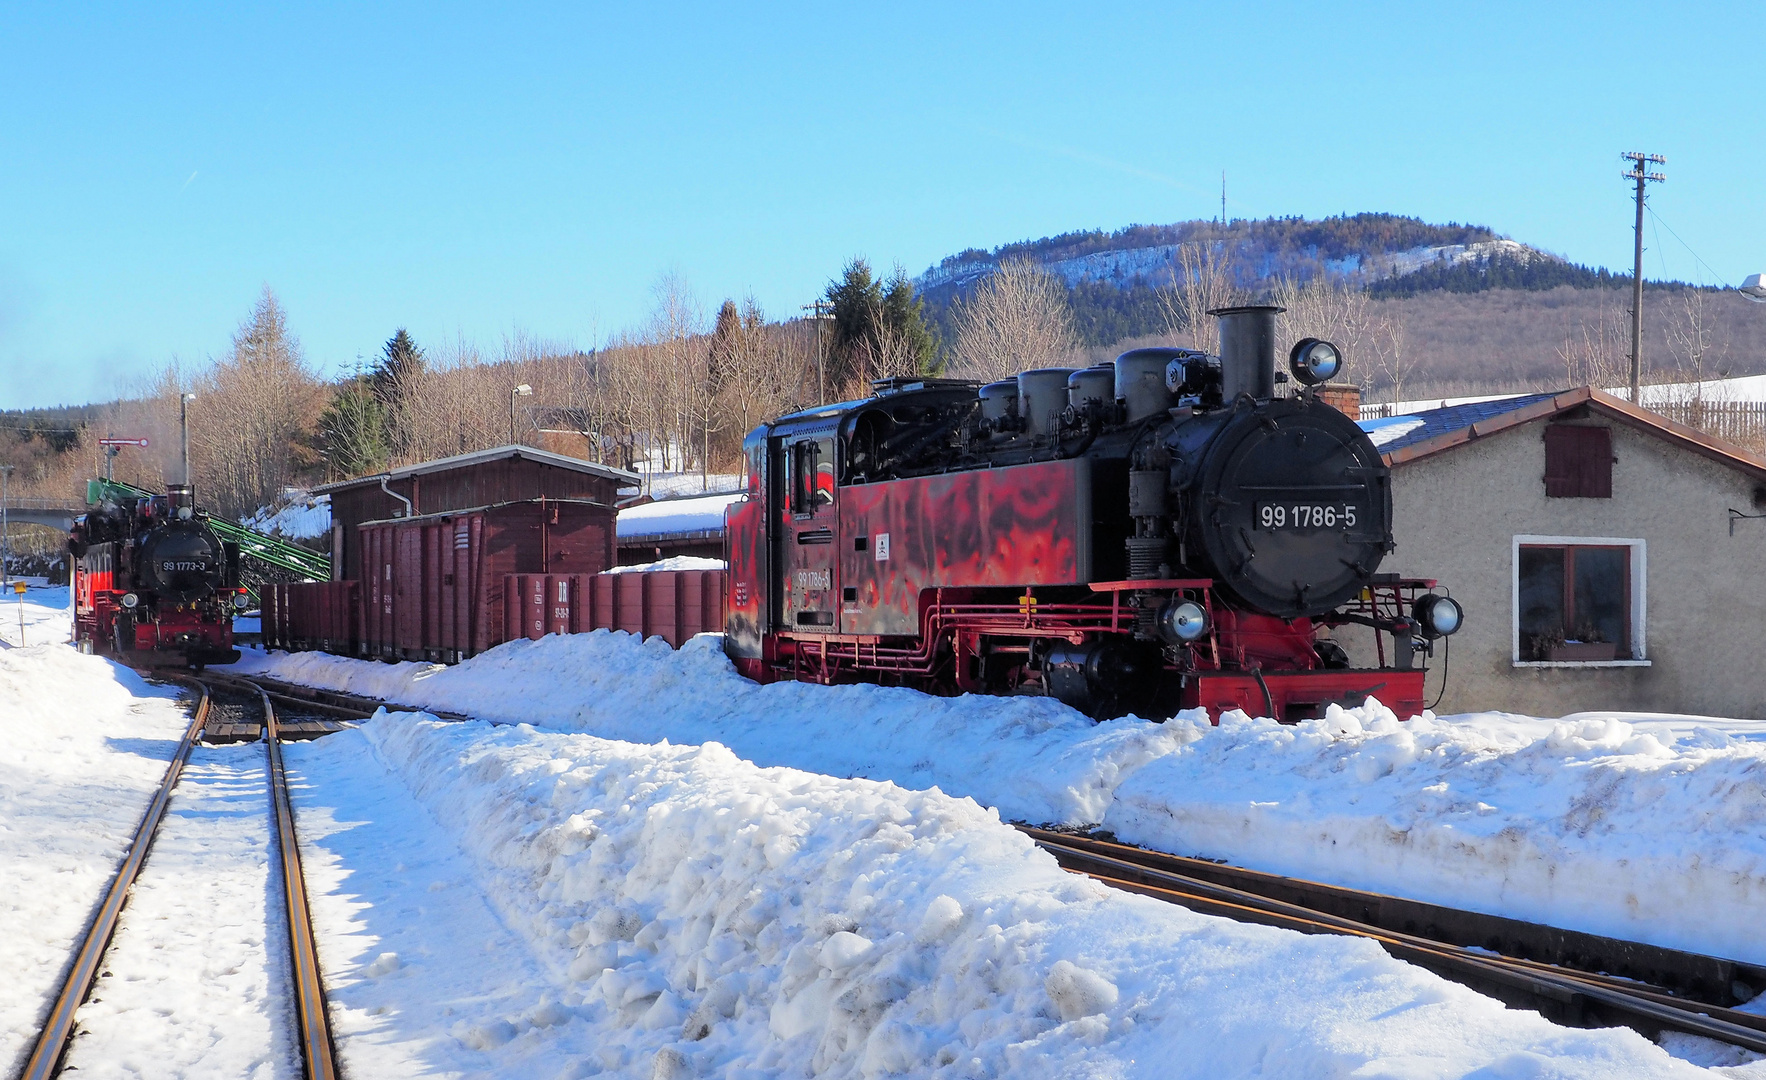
point(1715, 276)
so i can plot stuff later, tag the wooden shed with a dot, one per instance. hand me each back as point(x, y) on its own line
point(502, 474)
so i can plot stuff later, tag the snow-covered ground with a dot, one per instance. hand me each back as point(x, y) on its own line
point(196, 978)
point(299, 515)
point(83, 745)
point(40, 616)
point(1638, 827)
point(612, 889)
point(564, 905)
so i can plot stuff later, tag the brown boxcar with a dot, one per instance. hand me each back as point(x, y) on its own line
point(670, 604)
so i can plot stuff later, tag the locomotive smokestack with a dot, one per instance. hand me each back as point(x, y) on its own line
point(1247, 351)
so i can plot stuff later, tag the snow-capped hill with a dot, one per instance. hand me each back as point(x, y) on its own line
point(1155, 264)
point(1404, 262)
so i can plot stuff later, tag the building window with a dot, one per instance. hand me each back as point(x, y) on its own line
point(1578, 462)
point(1578, 600)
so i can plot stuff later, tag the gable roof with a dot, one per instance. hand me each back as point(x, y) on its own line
point(1458, 425)
point(479, 457)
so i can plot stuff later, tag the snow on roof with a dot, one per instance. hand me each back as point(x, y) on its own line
point(700, 514)
point(1397, 432)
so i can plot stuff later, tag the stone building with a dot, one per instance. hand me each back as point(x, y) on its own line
point(1607, 558)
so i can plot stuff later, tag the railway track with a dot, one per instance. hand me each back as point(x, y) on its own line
point(1577, 979)
point(213, 723)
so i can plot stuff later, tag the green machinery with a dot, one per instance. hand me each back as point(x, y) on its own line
point(275, 560)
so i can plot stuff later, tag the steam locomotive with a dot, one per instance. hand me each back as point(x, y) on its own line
point(1163, 532)
point(153, 585)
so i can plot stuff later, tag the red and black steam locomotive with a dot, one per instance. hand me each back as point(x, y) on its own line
point(1161, 532)
point(153, 585)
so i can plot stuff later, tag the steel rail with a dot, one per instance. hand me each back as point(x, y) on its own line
point(318, 1049)
point(1565, 994)
point(1688, 975)
point(58, 1029)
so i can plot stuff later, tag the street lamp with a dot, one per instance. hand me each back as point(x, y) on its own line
point(821, 311)
point(523, 390)
point(1754, 288)
point(184, 401)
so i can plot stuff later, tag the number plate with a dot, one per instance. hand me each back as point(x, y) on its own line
point(1303, 515)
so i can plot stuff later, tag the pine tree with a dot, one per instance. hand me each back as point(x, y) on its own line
point(352, 431)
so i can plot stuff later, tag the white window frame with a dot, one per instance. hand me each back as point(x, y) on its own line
point(1639, 599)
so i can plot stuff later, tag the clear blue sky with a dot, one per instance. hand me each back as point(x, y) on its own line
point(461, 169)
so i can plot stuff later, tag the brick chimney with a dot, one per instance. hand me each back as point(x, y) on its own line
point(1345, 399)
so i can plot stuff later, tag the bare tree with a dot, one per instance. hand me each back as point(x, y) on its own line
point(1201, 280)
point(1393, 358)
point(253, 409)
point(1337, 311)
point(1596, 355)
point(1015, 318)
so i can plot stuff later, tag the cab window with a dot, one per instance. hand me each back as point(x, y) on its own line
point(812, 475)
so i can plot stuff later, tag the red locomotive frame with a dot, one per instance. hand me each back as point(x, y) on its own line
point(980, 568)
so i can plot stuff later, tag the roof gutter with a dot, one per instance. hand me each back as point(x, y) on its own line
point(410, 511)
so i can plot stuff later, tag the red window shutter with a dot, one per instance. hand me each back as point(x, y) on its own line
point(1578, 462)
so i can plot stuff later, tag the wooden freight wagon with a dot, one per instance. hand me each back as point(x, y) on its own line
point(669, 604)
point(432, 586)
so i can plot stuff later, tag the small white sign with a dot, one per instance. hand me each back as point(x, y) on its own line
point(881, 546)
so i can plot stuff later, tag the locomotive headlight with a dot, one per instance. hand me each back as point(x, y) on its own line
point(241, 600)
point(1437, 616)
point(1183, 621)
point(1313, 361)
point(130, 600)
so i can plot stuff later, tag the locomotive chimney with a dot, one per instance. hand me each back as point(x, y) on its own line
point(1247, 351)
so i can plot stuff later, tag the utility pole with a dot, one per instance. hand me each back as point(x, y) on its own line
point(5, 527)
point(1639, 173)
point(1223, 198)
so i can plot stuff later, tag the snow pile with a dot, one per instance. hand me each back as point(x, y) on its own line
point(1032, 757)
point(85, 745)
point(700, 916)
point(302, 517)
point(1640, 830)
point(669, 517)
point(673, 562)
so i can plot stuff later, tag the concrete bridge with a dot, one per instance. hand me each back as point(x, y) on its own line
point(56, 513)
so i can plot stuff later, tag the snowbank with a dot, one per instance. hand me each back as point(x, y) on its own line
point(1648, 829)
point(1033, 758)
point(673, 562)
point(83, 745)
point(1640, 828)
point(701, 916)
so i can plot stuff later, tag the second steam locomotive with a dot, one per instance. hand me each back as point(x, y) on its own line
point(153, 585)
point(1165, 531)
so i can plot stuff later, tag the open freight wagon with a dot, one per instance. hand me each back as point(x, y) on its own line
point(446, 586)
